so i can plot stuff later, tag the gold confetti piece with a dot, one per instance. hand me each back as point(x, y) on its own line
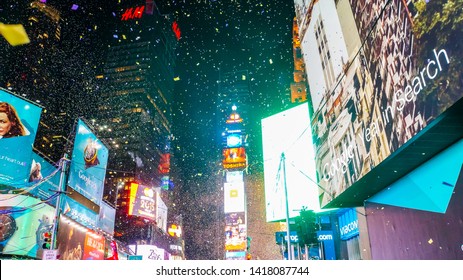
point(15, 34)
point(430, 241)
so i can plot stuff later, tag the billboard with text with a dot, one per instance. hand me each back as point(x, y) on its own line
point(88, 164)
point(380, 72)
point(19, 120)
point(287, 140)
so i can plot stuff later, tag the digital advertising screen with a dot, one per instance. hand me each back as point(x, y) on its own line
point(380, 73)
point(234, 197)
point(88, 164)
point(23, 222)
point(142, 201)
point(19, 120)
point(234, 140)
point(234, 158)
point(75, 242)
point(289, 133)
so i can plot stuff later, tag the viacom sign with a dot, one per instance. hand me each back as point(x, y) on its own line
point(348, 224)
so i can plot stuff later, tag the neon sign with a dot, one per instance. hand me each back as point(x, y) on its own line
point(131, 13)
point(176, 30)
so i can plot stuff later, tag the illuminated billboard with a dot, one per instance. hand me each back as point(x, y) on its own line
point(234, 140)
point(88, 164)
point(234, 197)
point(234, 158)
point(236, 237)
point(75, 242)
point(24, 221)
point(375, 82)
point(288, 133)
point(142, 201)
point(19, 120)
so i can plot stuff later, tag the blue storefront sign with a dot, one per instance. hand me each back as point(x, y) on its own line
point(327, 239)
point(281, 237)
point(348, 224)
point(78, 212)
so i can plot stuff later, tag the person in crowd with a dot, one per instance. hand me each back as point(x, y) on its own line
point(10, 124)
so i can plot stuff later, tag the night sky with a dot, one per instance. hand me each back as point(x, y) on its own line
point(224, 36)
point(217, 35)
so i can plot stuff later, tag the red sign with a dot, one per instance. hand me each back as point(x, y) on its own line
point(131, 13)
point(176, 30)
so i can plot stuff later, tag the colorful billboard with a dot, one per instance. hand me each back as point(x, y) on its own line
point(23, 222)
point(76, 242)
point(19, 120)
point(234, 197)
point(235, 232)
point(288, 133)
point(142, 201)
point(375, 81)
point(234, 158)
point(88, 164)
point(78, 212)
point(234, 140)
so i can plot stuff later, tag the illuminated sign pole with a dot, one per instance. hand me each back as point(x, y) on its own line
point(60, 191)
point(288, 241)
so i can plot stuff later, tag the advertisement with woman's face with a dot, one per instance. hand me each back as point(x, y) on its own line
point(19, 120)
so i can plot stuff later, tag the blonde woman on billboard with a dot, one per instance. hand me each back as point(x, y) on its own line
point(10, 124)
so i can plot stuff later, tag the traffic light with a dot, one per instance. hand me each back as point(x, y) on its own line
point(46, 237)
point(306, 227)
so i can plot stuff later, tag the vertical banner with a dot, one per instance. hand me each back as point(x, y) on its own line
point(19, 120)
point(88, 165)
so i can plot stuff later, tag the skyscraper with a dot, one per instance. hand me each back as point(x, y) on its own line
point(134, 115)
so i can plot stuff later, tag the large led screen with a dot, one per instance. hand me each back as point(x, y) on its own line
point(19, 120)
point(142, 201)
point(75, 242)
point(380, 72)
point(88, 165)
point(234, 158)
point(289, 133)
point(234, 197)
point(24, 221)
